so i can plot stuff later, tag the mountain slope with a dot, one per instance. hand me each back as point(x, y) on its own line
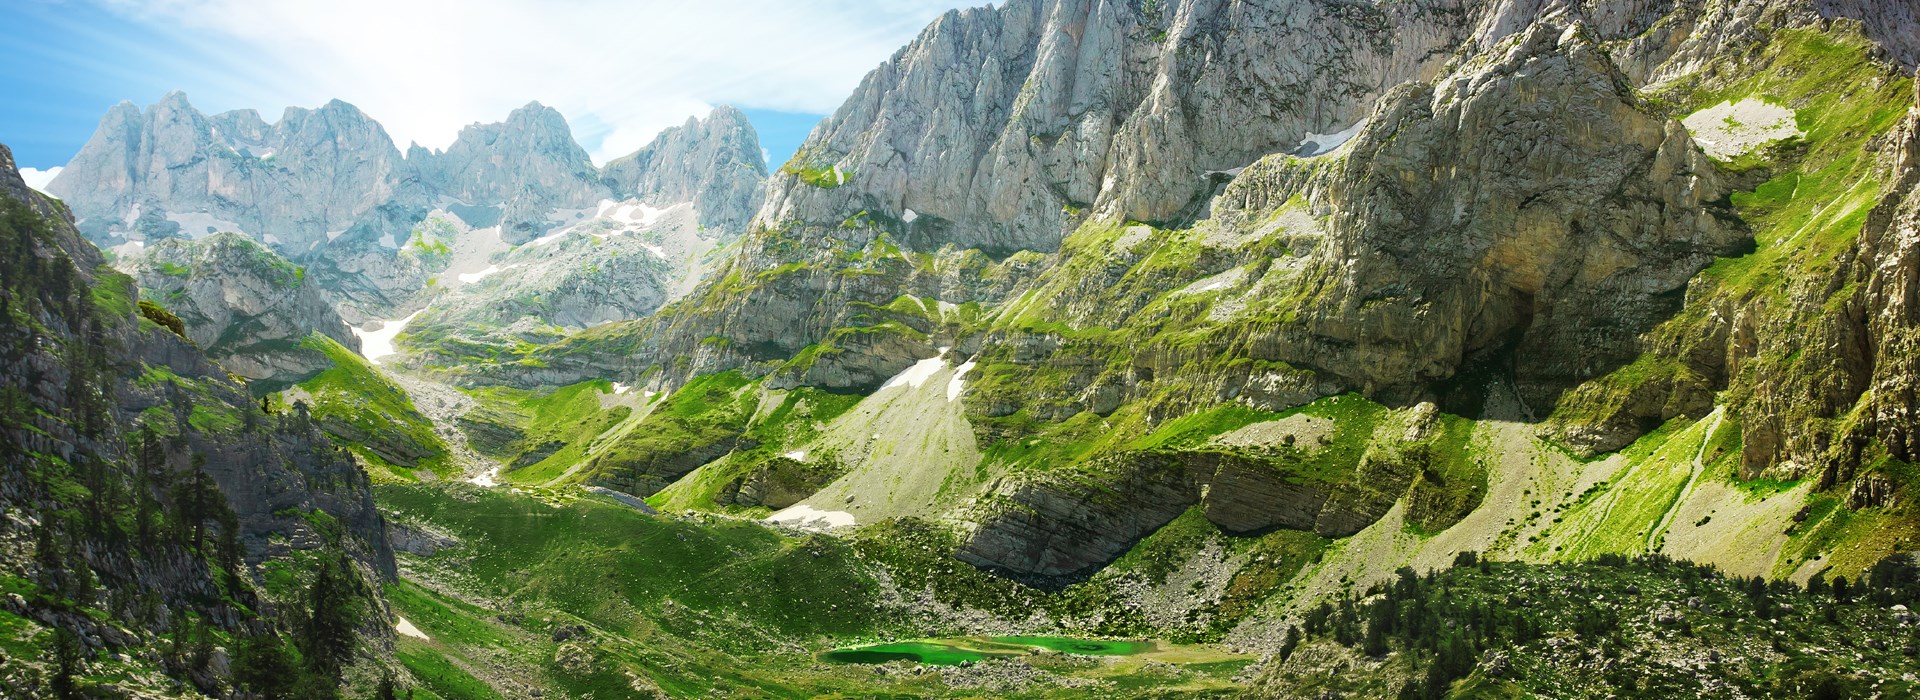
point(1525, 235)
point(155, 512)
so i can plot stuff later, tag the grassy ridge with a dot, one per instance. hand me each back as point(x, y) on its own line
point(563, 423)
point(355, 394)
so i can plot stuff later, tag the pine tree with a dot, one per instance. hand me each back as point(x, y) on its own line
point(263, 667)
point(327, 638)
point(66, 654)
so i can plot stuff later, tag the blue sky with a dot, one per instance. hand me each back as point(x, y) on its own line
point(619, 70)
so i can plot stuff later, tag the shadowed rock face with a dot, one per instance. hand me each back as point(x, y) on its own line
point(1055, 527)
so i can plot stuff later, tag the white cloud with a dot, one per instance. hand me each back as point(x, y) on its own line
point(37, 178)
point(620, 70)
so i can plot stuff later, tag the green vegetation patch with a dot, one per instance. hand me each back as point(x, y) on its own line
point(557, 428)
point(698, 423)
point(372, 416)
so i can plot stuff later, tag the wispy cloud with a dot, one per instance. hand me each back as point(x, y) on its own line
point(620, 70)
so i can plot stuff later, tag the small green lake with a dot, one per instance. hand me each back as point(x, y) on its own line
point(952, 652)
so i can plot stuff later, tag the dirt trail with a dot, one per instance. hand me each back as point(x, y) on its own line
point(1686, 491)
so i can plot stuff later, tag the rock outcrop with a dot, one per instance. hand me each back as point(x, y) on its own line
point(714, 162)
point(246, 306)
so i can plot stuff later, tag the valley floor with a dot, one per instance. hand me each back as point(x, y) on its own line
point(519, 588)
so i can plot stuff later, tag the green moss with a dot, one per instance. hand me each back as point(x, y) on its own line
point(816, 171)
point(163, 318)
point(113, 293)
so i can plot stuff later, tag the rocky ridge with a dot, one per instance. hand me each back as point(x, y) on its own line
point(327, 190)
point(246, 306)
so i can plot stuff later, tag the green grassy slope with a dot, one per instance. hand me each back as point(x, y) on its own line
point(365, 411)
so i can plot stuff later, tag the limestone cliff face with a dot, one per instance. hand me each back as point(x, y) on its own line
point(1525, 205)
point(715, 163)
point(997, 124)
point(246, 306)
point(522, 168)
point(171, 171)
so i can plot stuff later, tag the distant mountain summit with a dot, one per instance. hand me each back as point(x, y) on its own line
point(301, 183)
point(383, 234)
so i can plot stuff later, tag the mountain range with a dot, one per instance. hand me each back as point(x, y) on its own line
point(1309, 348)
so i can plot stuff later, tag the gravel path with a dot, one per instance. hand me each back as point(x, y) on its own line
point(444, 405)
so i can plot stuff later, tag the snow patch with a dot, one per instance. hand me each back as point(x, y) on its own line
point(956, 384)
point(839, 178)
point(403, 626)
point(199, 224)
point(805, 516)
point(1731, 129)
point(619, 388)
point(796, 455)
point(1322, 144)
point(909, 216)
point(387, 241)
point(129, 248)
point(1213, 284)
point(919, 373)
point(489, 478)
point(472, 277)
point(334, 234)
point(375, 344)
point(657, 251)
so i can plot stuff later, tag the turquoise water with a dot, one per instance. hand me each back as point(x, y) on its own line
point(952, 652)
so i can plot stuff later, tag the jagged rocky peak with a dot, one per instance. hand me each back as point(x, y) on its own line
point(526, 166)
point(246, 306)
point(997, 127)
point(715, 163)
point(172, 171)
